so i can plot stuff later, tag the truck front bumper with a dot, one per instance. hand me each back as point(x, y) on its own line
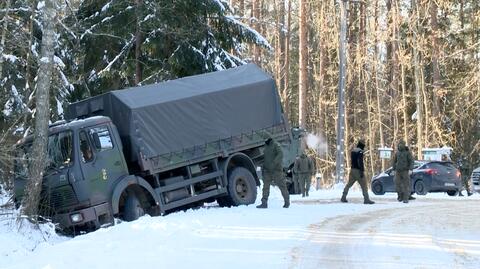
point(95, 215)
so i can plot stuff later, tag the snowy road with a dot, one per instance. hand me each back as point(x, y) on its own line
point(432, 235)
point(434, 231)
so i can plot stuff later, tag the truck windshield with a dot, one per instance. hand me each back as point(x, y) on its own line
point(60, 153)
point(60, 149)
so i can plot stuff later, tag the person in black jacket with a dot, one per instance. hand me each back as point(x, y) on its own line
point(357, 173)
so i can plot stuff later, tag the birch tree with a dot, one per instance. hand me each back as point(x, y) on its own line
point(39, 149)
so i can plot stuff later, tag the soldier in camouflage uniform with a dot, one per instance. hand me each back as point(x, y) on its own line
point(402, 164)
point(464, 167)
point(357, 173)
point(303, 169)
point(272, 171)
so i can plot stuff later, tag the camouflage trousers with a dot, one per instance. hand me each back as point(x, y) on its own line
point(402, 185)
point(466, 184)
point(355, 176)
point(279, 180)
point(305, 180)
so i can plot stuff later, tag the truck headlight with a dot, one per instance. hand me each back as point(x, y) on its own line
point(77, 217)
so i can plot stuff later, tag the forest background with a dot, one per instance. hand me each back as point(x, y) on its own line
point(413, 66)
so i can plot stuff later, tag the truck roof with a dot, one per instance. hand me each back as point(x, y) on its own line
point(68, 125)
point(174, 115)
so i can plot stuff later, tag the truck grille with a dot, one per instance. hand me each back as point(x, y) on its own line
point(59, 197)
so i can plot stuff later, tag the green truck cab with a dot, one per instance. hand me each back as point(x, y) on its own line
point(157, 148)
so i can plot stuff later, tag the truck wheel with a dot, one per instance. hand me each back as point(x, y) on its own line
point(224, 201)
point(133, 208)
point(242, 189)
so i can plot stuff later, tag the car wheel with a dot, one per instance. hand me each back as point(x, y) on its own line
point(377, 188)
point(452, 193)
point(420, 187)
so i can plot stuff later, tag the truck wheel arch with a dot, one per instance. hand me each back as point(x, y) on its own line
point(239, 160)
point(124, 184)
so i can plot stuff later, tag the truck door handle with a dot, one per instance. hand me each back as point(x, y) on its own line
point(117, 163)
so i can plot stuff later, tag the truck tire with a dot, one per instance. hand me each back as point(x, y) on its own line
point(242, 189)
point(224, 201)
point(133, 208)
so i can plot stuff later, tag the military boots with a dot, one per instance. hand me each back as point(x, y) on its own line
point(368, 202)
point(263, 204)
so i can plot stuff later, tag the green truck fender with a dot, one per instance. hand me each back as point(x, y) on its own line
point(127, 182)
point(239, 160)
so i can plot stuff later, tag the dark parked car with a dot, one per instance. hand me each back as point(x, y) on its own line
point(427, 176)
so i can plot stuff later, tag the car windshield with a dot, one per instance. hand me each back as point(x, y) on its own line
point(417, 164)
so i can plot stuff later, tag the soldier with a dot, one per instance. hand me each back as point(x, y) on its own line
point(357, 173)
point(272, 170)
point(303, 168)
point(464, 167)
point(402, 164)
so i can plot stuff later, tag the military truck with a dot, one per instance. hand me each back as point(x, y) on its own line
point(156, 148)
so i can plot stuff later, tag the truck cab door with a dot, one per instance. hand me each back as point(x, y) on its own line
point(101, 161)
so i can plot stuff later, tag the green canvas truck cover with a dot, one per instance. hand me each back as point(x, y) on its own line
point(178, 114)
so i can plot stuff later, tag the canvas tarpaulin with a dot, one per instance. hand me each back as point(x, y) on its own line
point(179, 114)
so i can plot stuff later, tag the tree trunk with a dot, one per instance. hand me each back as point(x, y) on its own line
point(241, 7)
point(287, 61)
point(435, 55)
point(39, 149)
point(4, 35)
point(404, 108)
point(302, 64)
point(416, 78)
point(138, 43)
point(279, 10)
point(377, 85)
point(321, 71)
point(256, 22)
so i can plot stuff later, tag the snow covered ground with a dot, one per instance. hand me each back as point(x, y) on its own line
point(434, 231)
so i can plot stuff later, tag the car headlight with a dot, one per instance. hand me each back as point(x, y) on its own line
point(77, 217)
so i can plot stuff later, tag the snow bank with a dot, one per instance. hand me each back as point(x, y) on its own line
point(210, 237)
point(20, 238)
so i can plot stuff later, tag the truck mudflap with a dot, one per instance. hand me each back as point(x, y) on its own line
point(96, 216)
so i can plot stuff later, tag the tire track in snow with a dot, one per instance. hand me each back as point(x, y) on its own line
point(428, 235)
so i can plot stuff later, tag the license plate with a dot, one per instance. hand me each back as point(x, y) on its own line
point(450, 184)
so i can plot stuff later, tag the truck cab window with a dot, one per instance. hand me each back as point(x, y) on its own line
point(60, 149)
point(101, 138)
point(86, 150)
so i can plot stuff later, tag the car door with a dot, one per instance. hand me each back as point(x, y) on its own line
point(388, 180)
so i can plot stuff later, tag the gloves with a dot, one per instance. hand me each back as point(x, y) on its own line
point(410, 172)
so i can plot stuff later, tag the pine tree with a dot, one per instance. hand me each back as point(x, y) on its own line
point(157, 40)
